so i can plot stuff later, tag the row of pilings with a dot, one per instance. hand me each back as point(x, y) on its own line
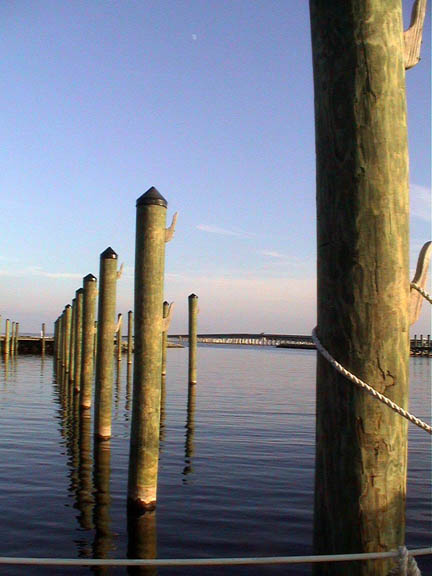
point(9, 344)
point(84, 347)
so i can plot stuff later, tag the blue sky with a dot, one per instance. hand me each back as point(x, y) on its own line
point(211, 101)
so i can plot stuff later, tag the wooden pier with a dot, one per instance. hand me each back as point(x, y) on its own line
point(420, 346)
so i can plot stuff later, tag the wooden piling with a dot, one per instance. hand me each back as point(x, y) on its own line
point(193, 314)
point(129, 337)
point(149, 275)
point(12, 340)
point(72, 343)
point(105, 343)
point(89, 304)
point(60, 341)
point(78, 338)
point(16, 345)
point(43, 338)
point(165, 310)
point(67, 336)
point(363, 279)
point(119, 337)
point(7, 338)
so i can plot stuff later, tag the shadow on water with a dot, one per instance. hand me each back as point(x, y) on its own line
point(190, 430)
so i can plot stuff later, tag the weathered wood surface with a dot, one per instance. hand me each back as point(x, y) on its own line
point(148, 309)
point(105, 342)
point(363, 278)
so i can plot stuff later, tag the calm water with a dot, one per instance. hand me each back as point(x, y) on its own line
point(236, 471)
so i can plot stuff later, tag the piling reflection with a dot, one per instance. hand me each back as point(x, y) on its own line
point(103, 539)
point(117, 391)
point(142, 541)
point(128, 391)
point(85, 499)
point(190, 431)
point(162, 413)
point(6, 367)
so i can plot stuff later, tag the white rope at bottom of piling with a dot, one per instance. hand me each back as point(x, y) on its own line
point(339, 368)
point(212, 561)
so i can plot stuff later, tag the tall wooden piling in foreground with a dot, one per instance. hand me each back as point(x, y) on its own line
point(165, 311)
point(363, 279)
point(105, 343)
point(119, 337)
point(78, 337)
point(43, 338)
point(129, 337)
point(89, 304)
point(6, 349)
point(193, 315)
point(151, 236)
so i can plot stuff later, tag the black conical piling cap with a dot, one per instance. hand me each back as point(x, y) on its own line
point(109, 254)
point(152, 196)
point(68, 306)
point(89, 278)
point(193, 296)
point(79, 291)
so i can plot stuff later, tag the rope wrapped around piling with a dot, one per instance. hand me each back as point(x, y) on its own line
point(406, 566)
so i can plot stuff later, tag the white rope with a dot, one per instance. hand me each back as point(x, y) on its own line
point(210, 561)
point(368, 388)
point(406, 565)
point(422, 292)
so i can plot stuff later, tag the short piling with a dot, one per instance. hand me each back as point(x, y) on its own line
point(72, 342)
point(119, 337)
point(43, 338)
point(165, 311)
point(89, 304)
point(7, 338)
point(149, 276)
point(16, 346)
point(129, 337)
point(6, 349)
point(105, 343)
point(67, 337)
point(193, 314)
point(12, 341)
point(78, 337)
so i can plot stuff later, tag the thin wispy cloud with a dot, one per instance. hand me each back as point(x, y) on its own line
point(272, 254)
point(36, 271)
point(222, 231)
point(421, 202)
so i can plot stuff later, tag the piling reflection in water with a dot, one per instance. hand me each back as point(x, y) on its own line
point(162, 413)
point(85, 499)
point(128, 391)
point(190, 430)
point(142, 541)
point(103, 540)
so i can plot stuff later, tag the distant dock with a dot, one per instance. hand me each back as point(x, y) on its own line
point(419, 346)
